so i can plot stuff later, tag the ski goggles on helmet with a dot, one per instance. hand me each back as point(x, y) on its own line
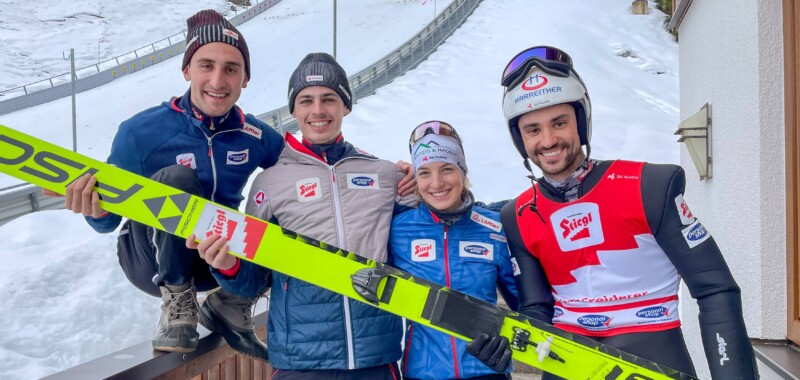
point(549, 59)
point(435, 127)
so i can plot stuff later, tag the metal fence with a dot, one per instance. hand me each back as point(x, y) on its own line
point(363, 83)
point(393, 65)
point(89, 77)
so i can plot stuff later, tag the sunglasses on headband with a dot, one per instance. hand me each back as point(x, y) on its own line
point(551, 60)
point(432, 127)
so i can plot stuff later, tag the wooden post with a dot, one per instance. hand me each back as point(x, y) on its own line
point(639, 7)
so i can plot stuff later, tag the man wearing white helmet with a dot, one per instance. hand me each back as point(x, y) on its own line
point(601, 246)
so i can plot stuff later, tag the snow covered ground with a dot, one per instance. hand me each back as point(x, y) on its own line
point(64, 300)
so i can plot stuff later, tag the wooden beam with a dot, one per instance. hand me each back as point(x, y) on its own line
point(791, 46)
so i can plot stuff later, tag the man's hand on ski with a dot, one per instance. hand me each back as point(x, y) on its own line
point(214, 250)
point(81, 197)
point(493, 351)
point(408, 183)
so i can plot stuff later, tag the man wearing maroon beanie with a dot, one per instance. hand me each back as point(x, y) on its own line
point(201, 143)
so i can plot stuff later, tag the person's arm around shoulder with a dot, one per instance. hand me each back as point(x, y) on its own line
point(699, 261)
point(405, 184)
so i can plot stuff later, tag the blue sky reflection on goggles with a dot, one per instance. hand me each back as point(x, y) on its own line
point(435, 127)
point(549, 59)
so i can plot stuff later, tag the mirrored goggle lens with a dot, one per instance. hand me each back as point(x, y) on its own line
point(432, 127)
point(549, 59)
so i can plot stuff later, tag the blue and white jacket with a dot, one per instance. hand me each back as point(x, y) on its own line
point(174, 133)
point(470, 256)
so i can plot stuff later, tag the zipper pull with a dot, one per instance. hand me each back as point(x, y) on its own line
point(209, 147)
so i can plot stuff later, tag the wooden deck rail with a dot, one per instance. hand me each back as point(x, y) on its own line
point(213, 360)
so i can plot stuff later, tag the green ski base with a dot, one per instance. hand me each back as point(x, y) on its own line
point(171, 210)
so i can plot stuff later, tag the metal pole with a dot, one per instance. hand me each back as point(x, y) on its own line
point(74, 118)
point(334, 29)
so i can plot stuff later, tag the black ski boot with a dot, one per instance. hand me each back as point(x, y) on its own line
point(177, 328)
point(232, 317)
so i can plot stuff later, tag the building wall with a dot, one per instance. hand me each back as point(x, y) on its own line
point(731, 56)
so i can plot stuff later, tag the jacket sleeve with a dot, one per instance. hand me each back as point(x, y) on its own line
point(251, 279)
point(273, 142)
point(406, 202)
point(124, 155)
point(505, 277)
point(535, 298)
point(700, 263)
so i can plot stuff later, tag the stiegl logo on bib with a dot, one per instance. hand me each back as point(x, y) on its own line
point(577, 226)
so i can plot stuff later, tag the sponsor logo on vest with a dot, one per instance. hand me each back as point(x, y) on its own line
point(252, 131)
point(578, 226)
point(486, 222)
point(653, 312)
point(308, 189)
point(594, 321)
point(695, 234)
point(614, 176)
point(723, 356)
point(423, 250)
point(476, 250)
point(238, 158)
point(186, 159)
point(222, 226)
point(557, 312)
point(498, 237)
point(361, 181)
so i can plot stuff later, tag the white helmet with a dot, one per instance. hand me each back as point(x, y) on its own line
point(540, 77)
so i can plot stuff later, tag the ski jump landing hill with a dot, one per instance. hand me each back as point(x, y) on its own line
point(22, 199)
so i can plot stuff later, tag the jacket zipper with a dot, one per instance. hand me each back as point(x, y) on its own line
point(213, 169)
point(213, 163)
point(337, 205)
point(447, 281)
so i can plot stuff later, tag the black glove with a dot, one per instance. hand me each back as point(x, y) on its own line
point(493, 351)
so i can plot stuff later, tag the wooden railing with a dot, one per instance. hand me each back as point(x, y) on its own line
point(212, 360)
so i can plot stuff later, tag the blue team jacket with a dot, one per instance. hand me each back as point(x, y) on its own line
point(170, 134)
point(470, 256)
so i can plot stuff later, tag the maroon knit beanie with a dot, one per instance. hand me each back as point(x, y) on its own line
point(209, 26)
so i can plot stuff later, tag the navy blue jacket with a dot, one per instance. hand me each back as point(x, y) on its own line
point(172, 133)
point(470, 256)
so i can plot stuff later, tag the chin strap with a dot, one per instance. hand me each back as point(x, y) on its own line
point(531, 204)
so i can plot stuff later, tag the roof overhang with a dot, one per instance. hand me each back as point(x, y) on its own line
point(680, 13)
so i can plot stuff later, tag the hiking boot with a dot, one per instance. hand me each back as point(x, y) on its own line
point(232, 316)
point(177, 328)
